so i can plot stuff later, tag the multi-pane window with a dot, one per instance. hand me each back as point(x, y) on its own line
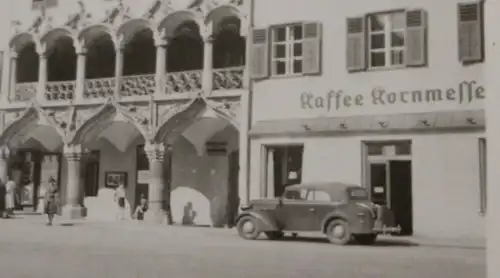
point(386, 39)
point(286, 51)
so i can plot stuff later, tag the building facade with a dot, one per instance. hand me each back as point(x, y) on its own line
point(383, 94)
point(144, 93)
point(171, 98)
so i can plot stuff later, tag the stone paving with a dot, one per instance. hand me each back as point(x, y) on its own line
point(28, 248)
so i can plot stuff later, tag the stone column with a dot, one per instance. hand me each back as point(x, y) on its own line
point(80, 74)
point(492, 84)
point(4, 165)
point(5, 89)
point(118, 69)
point(245, 123)
point(156, 203)
point(74, 209)
point(42, 76)
point(4, 171)
point(13, 75)
point(207, 77)
point(161, 68)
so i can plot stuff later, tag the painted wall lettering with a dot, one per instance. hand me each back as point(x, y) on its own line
point(465, 92)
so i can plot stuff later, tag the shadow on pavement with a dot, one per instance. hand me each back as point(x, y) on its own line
point(378, 243)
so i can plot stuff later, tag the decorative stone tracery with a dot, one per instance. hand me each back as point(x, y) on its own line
point(120, 23)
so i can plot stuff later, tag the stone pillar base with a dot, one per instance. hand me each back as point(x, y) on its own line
point(74, 212)
point(156, 217)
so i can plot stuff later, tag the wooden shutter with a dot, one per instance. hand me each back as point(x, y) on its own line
point(312, 48)
point(416, 41)
point(260, 54)
point(1, 70)
point(470, 44)
point(356, 44)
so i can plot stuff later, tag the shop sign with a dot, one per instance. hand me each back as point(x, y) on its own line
point(465, 92)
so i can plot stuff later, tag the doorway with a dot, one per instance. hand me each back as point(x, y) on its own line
point(91, 174)
point(282, 167)
point(389, 180)
point(233, 196)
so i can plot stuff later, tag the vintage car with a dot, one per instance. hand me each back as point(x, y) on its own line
point(342, 212)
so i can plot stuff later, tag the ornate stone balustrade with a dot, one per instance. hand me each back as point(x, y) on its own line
point(25, 91)
point(183, 82)
point(228, 78)
point(63, 90)
point(99, 88)
point(138, 85)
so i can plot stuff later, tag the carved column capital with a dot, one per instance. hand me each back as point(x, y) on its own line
point(160, 39)
point(73, 152)
point(4, 153)
point(155, 152)
point(208, 38)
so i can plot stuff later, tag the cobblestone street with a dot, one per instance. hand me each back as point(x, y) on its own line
point(30, 249)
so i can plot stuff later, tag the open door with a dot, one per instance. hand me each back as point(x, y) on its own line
point(401, 195)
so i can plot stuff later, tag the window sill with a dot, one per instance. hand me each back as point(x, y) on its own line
point(386, 68)
point(287, 76)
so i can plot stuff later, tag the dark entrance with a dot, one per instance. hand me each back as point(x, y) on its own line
point(283, 167)
point(142, 175)
point(91, 174)
point(30, 170)
point(390, 180)
point(233, 196)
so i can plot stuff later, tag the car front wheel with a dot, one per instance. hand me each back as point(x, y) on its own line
point(338, 232)
point(366, 239)
point(248, 228)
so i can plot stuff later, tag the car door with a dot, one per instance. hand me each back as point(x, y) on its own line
point(320, 204)
point(295, 214)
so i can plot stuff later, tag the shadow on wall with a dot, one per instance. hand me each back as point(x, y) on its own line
point(189, 214)
point(217, 214)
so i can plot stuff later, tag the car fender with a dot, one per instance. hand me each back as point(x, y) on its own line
point(266, 222)
point(333, 215)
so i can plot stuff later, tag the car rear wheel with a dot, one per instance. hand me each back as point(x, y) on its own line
point(248, 228)
point(274, 235)
point(366, 239)
point(338, 232)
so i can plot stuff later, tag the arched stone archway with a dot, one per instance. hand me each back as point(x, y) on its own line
point(98, 41)
point(24, 66)
point(61, 60)
point(33, 123)
point(185, 48)
point(205, 144)
point(109, 113)
point(140, 54)
point(229, 45)
point(27, 64)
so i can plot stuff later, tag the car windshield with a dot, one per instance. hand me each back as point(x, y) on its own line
point(358, 194)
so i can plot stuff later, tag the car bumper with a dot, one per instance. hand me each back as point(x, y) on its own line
point(387, 230)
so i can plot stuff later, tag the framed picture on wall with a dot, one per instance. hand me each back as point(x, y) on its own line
point(114, 179)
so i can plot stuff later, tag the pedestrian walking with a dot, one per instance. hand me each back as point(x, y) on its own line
point(141, 208)
point(51, 200)
point(120, 200)
point(10, 198)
